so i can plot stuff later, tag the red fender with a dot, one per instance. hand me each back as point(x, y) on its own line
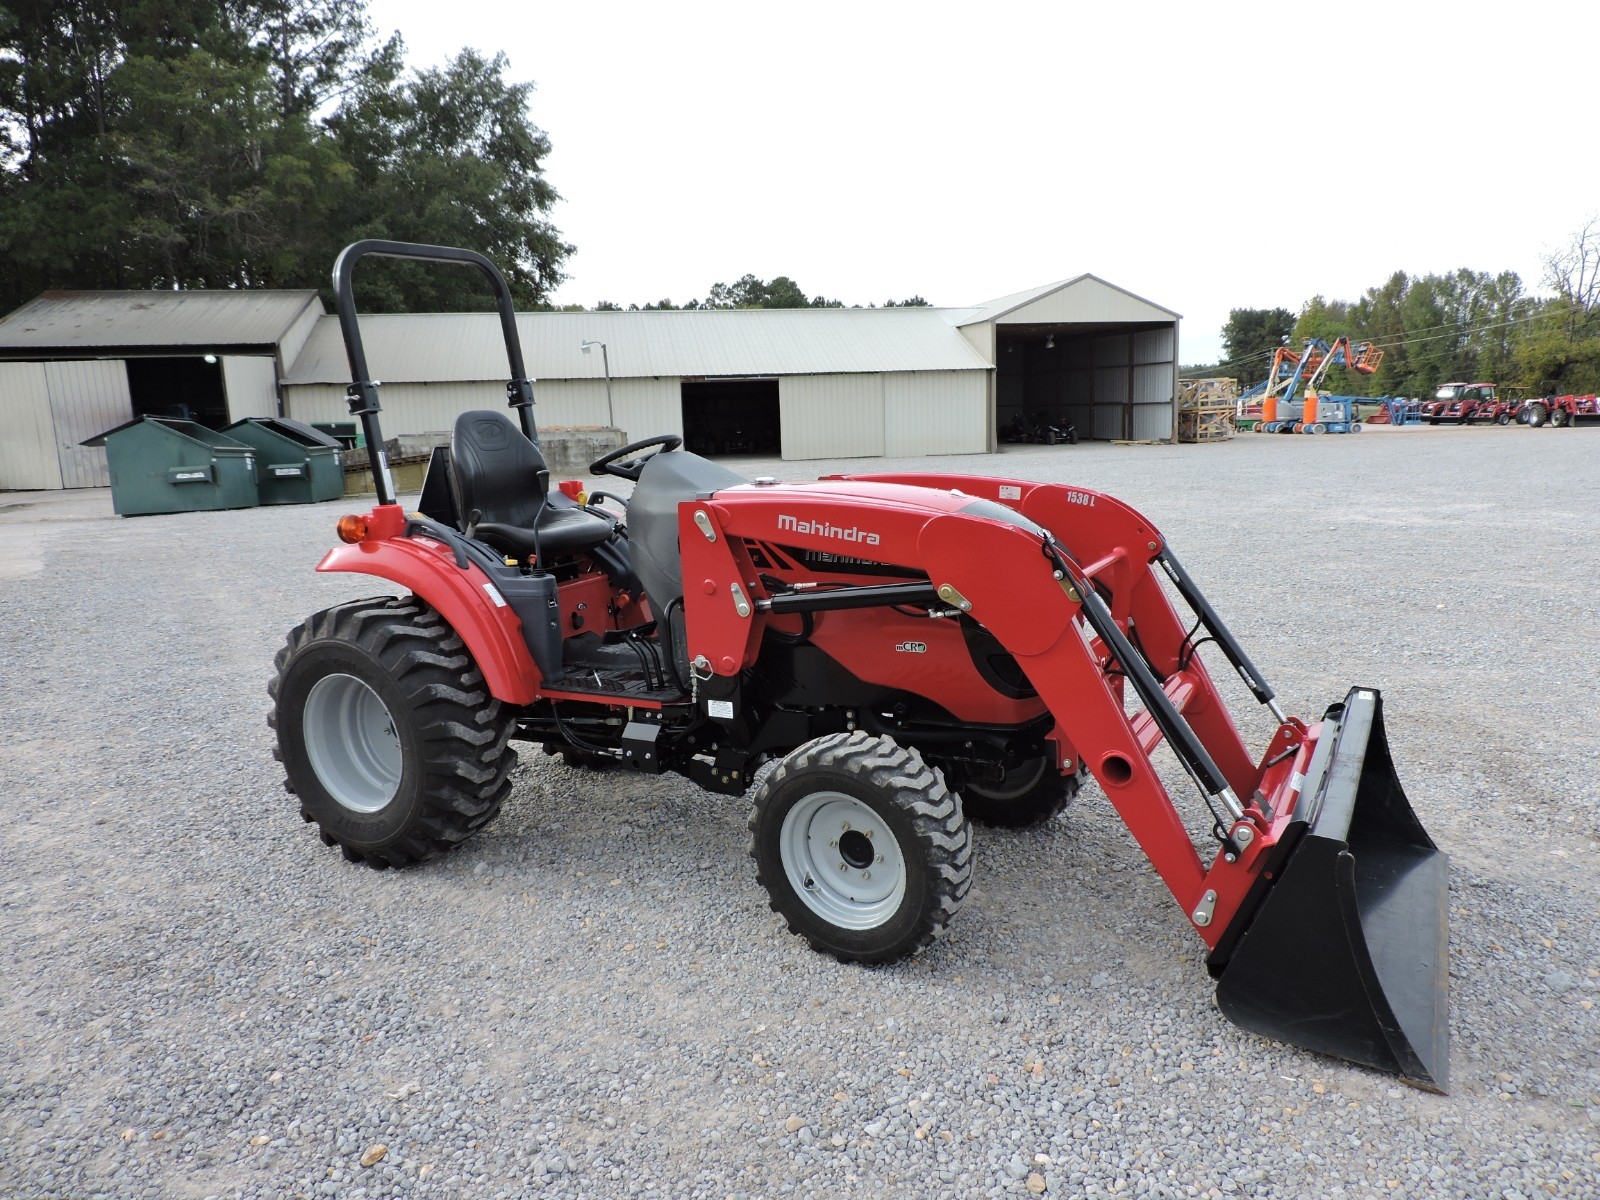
point(466, 599)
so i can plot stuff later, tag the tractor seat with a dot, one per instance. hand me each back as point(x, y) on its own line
point(503, 492)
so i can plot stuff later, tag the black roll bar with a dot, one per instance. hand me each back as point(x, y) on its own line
point(362, 394)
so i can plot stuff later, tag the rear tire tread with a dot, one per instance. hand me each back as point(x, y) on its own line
point(467, 759)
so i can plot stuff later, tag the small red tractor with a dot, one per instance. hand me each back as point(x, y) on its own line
point(882, 659)
point(1462, 403)
point(1560, 411)
point(1502, 405)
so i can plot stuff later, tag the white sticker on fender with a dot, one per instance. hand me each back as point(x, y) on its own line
point(1010, 491)
point(720, 708)
point(494, 594)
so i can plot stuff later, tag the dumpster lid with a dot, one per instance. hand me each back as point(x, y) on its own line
point(192, 430)
point(295, 431)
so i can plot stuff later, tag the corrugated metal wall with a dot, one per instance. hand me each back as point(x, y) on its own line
point(901, 413)
point(831, 416)
point(1155, 382)
point(86, 398)
point(1117, 385)
point(822, 416)
point(644, 407)
point(935, 412)
point(28, 460)
point(251, 385)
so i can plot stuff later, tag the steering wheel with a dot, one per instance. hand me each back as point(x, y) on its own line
point(612, 464)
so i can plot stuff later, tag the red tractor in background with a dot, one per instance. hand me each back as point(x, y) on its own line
point(1457, 402)
point(882, 658)
point(1502, 405)
point(1568, 410)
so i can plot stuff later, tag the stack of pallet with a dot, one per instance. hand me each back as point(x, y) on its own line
point(1205, 409)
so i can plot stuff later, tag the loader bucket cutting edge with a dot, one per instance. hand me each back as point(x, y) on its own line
point(1347, 952)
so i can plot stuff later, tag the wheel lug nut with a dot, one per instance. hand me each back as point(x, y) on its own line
point(868, 832)
point(842, 867)
point(832, 842)
point(866, 874)
point(879, 858)
point(845, 827)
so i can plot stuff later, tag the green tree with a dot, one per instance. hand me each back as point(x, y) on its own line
point(750, 291)
point(1250, 338)
point(243, 142)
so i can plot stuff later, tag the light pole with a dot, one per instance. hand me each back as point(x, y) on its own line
point(605, 360)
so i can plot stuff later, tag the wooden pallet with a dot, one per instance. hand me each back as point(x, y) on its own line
point(1205, 424)
point(1205, 409)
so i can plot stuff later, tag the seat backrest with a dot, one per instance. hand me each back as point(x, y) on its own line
point(497, 472)
point(668, 479)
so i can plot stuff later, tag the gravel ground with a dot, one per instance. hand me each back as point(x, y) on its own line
point(592, 999)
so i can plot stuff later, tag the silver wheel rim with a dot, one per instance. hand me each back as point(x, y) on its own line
point(842, 860)
point(352, 743)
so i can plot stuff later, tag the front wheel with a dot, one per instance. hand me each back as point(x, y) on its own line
point(861, 847)
point(387, 732)
point(1559, 417)
point(1503, 419)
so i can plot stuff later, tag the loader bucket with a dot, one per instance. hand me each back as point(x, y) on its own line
point(1346, 952)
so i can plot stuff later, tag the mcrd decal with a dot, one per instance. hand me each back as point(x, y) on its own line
point(912, 647)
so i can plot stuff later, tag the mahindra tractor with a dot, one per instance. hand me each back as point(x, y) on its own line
point(877, 661)
point(1457, 403)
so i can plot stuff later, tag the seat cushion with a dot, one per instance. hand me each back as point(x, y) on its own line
point(501, 484)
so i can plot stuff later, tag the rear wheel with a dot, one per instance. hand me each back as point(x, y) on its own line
point(1538, 414)
point(861, 847)
point(387, 732)
point(1030, 793)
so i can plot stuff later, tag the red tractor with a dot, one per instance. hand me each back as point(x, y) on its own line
point(1560, 411)
point(881, 659)
point(1503, 404)
point(1457, 402)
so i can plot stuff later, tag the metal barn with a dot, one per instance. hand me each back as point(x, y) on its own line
point(795, 383)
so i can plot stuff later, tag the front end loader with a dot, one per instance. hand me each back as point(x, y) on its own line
point(880, 660)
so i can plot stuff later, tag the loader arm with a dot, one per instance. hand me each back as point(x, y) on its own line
point(1324, 904)
point(997, 571)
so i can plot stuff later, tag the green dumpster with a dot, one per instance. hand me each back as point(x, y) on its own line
point(165, 465)
point(295, 464)
point(348, 433)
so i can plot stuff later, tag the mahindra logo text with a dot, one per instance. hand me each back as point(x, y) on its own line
point(823, 529)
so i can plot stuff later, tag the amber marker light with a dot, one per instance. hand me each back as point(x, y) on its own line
point(352, 528)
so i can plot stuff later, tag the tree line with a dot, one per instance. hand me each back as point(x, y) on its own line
point(242, 143)
point(750, 291)
point(1465, 325)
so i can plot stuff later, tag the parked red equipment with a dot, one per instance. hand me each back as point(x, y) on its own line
point(883, 657)
point(1571, 410)
point(1457, 402)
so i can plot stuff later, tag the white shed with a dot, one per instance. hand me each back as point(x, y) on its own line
point(75, 364)
point(1085, 351)
point(806, 383)
point(800, 383)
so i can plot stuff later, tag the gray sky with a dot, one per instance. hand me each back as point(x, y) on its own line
point(1206, 156)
